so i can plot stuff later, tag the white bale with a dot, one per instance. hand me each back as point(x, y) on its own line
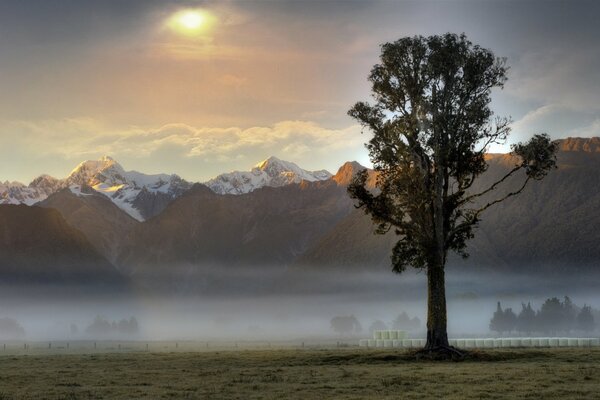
point(396, 343)
point(526, 342)
point(363, 342)
point(505, 342)
point(515, 342)
point(379, 342)
point(563, 342)
point(452, 342)
point(469, 343)
point(535, 342)
point(372, 343)
point(544, 342)
point(572, 342)
point(497, 343)
point(553, 342)
point(406, 343)
point(460, 343)
point(394, 335)
point(480, 343)
point(595, 342)
point(583, 342)
point(387, 343)
point(385, 335)
point(377, 335)
point(402, 335)
point(488, 343)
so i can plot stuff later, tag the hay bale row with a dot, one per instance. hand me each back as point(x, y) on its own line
point(484, 343)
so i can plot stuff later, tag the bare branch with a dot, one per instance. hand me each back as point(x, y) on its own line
point(491, 203)
point(493, 186)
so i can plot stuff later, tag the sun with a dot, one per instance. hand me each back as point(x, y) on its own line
point(191, 19)
point(190, 22)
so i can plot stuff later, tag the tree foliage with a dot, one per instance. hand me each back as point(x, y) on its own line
point(553, 317)
point(503, 320)
point(526, 320)
point(345, 324)
point(431, 124)
point(585, 319)
point(378, 325)
point(405, 322)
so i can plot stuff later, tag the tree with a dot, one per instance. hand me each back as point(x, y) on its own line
point(403, 321)
point(431, 125)
point(551, 315)
point(509, 320)
point(526, 319)
point(10, 328)
point(100, 326)
point(503, 320)
point(345, 324)
point(497, 321)
point(377, 326)
point(569, 315)
point(585, 319)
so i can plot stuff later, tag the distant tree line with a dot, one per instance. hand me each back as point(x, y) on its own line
point(552, 318)
point(402, 322)
point(348, 324)
point(102, 326)
point(345, 324)
point(11, 329)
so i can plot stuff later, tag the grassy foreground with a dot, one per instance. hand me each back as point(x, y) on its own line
point(302, 374)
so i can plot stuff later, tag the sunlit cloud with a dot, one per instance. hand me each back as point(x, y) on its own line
point(75, 139)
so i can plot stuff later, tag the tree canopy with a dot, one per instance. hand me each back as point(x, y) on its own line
point(431, 126)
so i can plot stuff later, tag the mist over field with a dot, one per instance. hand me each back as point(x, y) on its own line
point(242, 304)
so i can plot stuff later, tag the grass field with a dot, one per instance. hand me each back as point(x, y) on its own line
point(345, 373)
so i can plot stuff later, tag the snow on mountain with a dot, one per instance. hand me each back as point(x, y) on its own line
point(105, 176)
point(270, 172)
point(18, 193)
point(143, 196)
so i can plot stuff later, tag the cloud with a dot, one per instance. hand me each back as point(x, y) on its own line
point(76, 139)
point(590, 130)
point(568, 78)
point(557, 120)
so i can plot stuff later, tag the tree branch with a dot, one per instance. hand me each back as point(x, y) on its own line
point(473, 217)
point(493, 186)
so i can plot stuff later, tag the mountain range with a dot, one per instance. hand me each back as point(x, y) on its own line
point(143, 196)
point(149, 228)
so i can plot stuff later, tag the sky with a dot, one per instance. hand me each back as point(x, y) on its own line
point(80, 79)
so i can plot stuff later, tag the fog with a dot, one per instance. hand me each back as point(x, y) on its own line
point(274, 305)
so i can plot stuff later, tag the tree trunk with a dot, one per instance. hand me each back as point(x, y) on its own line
point(437, 335)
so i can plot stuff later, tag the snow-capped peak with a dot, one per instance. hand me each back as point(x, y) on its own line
point(131, 191)
point(270, 172)
point(103, 171)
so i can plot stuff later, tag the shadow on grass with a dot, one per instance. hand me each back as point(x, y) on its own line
point(411, 356)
